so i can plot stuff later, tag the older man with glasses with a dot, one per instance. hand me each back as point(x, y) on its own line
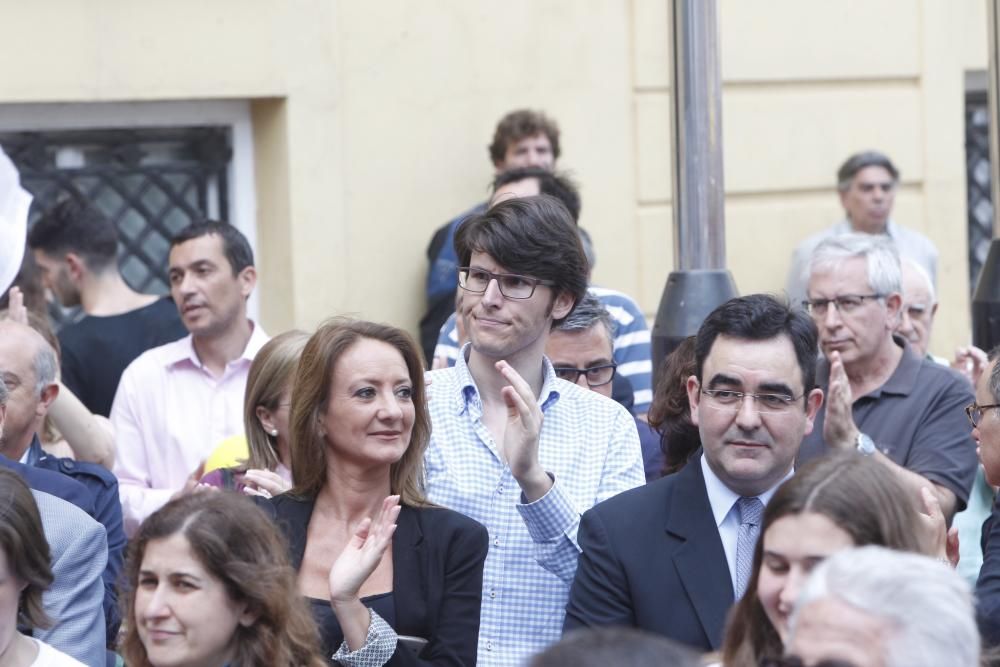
point(883, 399)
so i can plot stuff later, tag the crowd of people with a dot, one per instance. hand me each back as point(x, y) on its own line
point(800, 487)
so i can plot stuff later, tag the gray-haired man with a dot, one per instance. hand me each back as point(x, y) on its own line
point(883, 399)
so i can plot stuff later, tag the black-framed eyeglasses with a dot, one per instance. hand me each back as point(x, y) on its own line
point(729, 399)
point(846, 303)
point(512, 285)
point(596, 375)
point(975, 412)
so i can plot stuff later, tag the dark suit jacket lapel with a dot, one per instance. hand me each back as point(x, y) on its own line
point(409, 579)
point(701, 560)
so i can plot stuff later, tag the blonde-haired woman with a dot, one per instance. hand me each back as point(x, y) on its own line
point(391, 579)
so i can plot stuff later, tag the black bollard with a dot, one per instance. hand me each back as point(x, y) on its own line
point(688, 298)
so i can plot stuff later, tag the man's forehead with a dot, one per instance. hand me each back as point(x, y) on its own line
point(849, 276)
point(207, 248)
point(766, 361)
point(872, 175)
point(483, 260)
point(526, 187)
point(983, 385)
point(593, 341)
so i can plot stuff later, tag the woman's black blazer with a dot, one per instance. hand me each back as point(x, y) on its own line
point(437, 576)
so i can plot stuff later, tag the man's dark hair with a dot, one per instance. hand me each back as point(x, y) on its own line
point(76, 227)
point(549, 183)
point(519, 125)
point(761, 317)
point(597, 647)
point(234, 245)
point(534, 236)
point(860, 161)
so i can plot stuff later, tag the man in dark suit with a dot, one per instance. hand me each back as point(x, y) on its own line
point(79, 551)
point(671, 557)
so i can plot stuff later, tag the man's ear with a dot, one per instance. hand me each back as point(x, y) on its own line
point(813, 403)
point(694, 397)
point(562, 305)
point(75, 266)
point(49, 394)
point(248, 280)
point(893, 308)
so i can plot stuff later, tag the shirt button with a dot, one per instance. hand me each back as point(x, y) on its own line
point(493, 593)
point(489, 646)
point(496, 541)
point(500, 489)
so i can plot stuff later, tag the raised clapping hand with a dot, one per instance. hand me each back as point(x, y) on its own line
point(264, 483)
point(520, 438)
point(970, 362)
point(839, 430)
point(939, 541)
point(16, 309)
point(363, 553)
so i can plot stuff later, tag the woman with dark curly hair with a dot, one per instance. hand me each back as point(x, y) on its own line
point(208, 583)
point(670, 412)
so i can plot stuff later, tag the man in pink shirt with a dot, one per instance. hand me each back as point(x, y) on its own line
point(176, 402)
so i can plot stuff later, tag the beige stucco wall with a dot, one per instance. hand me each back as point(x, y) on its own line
point(371, 119)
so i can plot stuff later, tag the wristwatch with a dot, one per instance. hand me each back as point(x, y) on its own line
point(865, 445)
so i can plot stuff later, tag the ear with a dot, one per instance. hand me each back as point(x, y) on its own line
point(843, 197)
point(248, 280)
point(75, 265)
point(562, 304)
point(264, 417)
point(813, 403)
point(49, 394)
point(247, 617)
point(893, 306)
point(694, 397)
point(934, 310)
point(3, 418)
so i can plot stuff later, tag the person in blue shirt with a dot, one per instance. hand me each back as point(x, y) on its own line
point(513, 446)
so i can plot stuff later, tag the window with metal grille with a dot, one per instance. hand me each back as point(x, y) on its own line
point(977, 166)
point(151, 182)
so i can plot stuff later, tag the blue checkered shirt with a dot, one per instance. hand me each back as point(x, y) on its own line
point(588, 444)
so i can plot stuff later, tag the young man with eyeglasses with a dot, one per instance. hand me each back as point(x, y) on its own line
point(581, 349)
point(512, 446)
point(883, 399)
point(672, 557)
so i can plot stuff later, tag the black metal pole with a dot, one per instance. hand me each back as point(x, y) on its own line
point(700, 281)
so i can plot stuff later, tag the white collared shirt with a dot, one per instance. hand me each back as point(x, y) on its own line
point(727, 514)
